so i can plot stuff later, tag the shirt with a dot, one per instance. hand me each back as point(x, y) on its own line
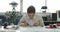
point(32, 21)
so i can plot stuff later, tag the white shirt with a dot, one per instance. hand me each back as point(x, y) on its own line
point(32, 21)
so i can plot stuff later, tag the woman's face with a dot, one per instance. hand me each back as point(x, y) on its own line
point(31, 15)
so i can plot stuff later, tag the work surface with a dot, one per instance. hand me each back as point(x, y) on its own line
point(31, 29)
point(38, 29)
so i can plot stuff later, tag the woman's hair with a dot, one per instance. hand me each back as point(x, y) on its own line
point(31, 9)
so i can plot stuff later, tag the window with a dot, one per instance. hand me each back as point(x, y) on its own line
point(4, 5)
point(36, 3)
point(52, 5)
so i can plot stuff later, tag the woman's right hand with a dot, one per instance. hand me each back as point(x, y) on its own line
point(24, 24)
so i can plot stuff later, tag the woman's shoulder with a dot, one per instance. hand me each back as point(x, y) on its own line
point(25, 16)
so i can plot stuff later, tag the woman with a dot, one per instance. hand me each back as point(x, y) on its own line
point(31, 19)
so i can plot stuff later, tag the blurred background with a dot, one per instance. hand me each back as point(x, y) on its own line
point(53, 5)
point(52, 15)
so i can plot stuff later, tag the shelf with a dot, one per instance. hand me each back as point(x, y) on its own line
point(51, 21)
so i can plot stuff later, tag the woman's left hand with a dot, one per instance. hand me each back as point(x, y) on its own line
point(36, 24)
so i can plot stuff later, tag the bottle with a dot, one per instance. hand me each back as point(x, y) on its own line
point(12, 24)
point(5, 25)
point(54, 25)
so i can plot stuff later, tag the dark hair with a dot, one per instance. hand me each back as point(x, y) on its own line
point(31, 9)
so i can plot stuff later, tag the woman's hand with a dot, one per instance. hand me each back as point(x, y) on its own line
point(24, 24)
point(36, 24)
